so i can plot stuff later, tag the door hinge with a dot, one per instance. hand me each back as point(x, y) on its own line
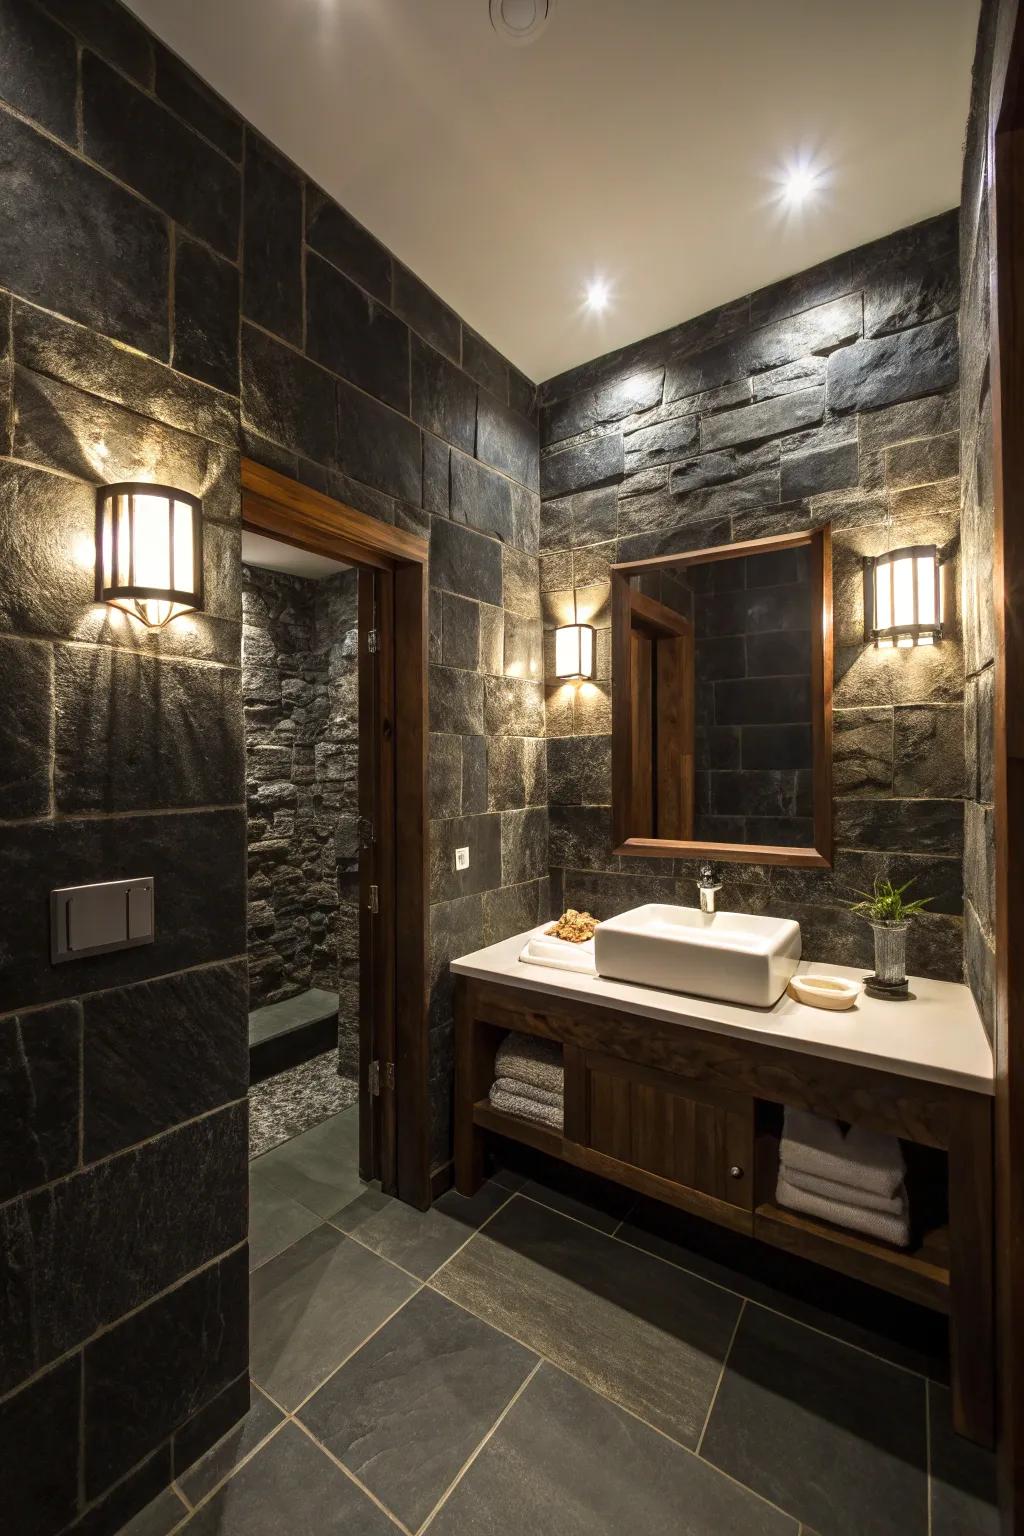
point(374, 902)
point(381, 1072)
point(365, 832)
point(373, 641)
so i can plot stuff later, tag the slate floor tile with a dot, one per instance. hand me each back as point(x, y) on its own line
point(888, 1326)
point(312, 1306)
point(320, 1168)
point(276, 1219)
point(582, 1197)
point(963, 1477)
point(223, 1456)
point(408, 1410)
point(291, 1486)
point(638, 1330)
point(420, 1241)
point(565, 1460)
point(828, 1433)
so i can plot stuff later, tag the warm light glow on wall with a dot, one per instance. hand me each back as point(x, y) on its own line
point(149, 550)
point(574, 652)
point(903, 599)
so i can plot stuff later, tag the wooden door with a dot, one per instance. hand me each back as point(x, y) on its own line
point(377, 1050)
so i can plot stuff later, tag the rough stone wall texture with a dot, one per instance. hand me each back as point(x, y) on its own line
point(978, 539)
point(829, 396)
point(138, 208)
point(300, 704)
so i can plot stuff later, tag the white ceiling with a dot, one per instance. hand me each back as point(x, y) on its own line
point(637, 140)
point(272, 555)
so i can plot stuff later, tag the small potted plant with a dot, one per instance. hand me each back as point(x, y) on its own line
point(889, 916)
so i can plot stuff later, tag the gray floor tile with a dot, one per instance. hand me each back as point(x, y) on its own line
point(628, 1325)
point(963, 1485)
point(313, 1305)
point(290, 1486)
point(581, 1196)
point(243, 1437)
point(160, 1516)
point(419, 1241)
point(320, 1168)
point(276, 1219)
point(832, 1435)
point(566, 1461)
point(410, 1408)
point(884, 1325)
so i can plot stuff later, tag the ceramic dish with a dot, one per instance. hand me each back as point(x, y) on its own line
point(824, 991)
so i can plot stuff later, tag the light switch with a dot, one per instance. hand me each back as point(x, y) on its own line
point(94, 919)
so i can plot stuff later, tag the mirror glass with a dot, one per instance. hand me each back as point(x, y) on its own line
point(726, 696)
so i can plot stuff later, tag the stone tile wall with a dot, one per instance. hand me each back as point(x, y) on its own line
point(829, 396)
point(173, 293)
point(300, 705)
point(978, 539)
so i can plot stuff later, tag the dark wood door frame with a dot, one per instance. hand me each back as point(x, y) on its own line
point(277, 506)
point(1006, 244)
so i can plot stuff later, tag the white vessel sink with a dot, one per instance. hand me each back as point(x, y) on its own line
point(731, 956)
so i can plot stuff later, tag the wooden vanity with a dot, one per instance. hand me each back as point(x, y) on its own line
point(681, 1099)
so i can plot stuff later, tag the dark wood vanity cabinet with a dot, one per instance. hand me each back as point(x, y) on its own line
point(692, 1117)
point(687, 1133)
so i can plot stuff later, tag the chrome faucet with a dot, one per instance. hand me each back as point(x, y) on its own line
point(708, 884)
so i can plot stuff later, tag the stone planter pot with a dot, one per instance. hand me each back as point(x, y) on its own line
point(890, 953)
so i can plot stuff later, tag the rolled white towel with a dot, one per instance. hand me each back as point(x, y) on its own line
point(531, 1060)
point(846, 1194)
point(868, 1160)
point(877, 1224)
point(526, 1109)
point(515, 1085)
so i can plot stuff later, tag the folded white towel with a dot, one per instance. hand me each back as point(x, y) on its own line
point(526, 1109)
point(887, 1229)
point(868, 1160)
point(528, 1091)
point(560, 954)
point(846, 1194)
point(531, 1060)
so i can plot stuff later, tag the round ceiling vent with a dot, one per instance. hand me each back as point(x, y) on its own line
point(520, 21)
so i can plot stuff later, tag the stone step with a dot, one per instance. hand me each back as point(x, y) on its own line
point(281, 1035)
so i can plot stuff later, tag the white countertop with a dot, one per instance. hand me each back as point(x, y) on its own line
point(936, 1035)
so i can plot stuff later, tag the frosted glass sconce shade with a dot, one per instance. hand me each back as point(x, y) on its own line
point(903, 603)
point(149, 550)
point(574, 652)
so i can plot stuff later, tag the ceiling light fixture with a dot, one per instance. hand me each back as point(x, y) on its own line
point(520, 21)
point(799, 183)
point(598, 295)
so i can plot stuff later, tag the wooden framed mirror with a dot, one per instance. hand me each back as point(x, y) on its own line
point(722, 703)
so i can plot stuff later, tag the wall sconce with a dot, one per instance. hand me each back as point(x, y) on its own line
point(574, 652)
point(149, 550)
point(903, 603)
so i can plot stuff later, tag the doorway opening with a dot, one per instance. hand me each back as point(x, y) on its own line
point(334, 659)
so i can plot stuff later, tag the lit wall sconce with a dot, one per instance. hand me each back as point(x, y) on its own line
point(149, 550)
point(574, 652)
point(903, 601)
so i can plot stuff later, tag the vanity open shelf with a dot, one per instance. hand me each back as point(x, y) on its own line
point(690, 1113)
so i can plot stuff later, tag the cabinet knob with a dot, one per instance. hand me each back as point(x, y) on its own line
point(735, 1172)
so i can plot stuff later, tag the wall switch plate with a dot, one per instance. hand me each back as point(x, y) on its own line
point(95, 919)
point(462, 858)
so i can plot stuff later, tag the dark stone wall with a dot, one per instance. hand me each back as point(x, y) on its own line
point(978, 538)
point(300, 703)
point(173, 293)
point(829, 396)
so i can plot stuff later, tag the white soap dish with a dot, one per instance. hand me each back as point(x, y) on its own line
point(824, 991)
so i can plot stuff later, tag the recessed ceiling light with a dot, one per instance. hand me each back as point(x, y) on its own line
point(799, 183)
point(520, 21)
point(598, 295)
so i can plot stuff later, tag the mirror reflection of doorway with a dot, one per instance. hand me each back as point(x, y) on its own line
point(300, 660)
